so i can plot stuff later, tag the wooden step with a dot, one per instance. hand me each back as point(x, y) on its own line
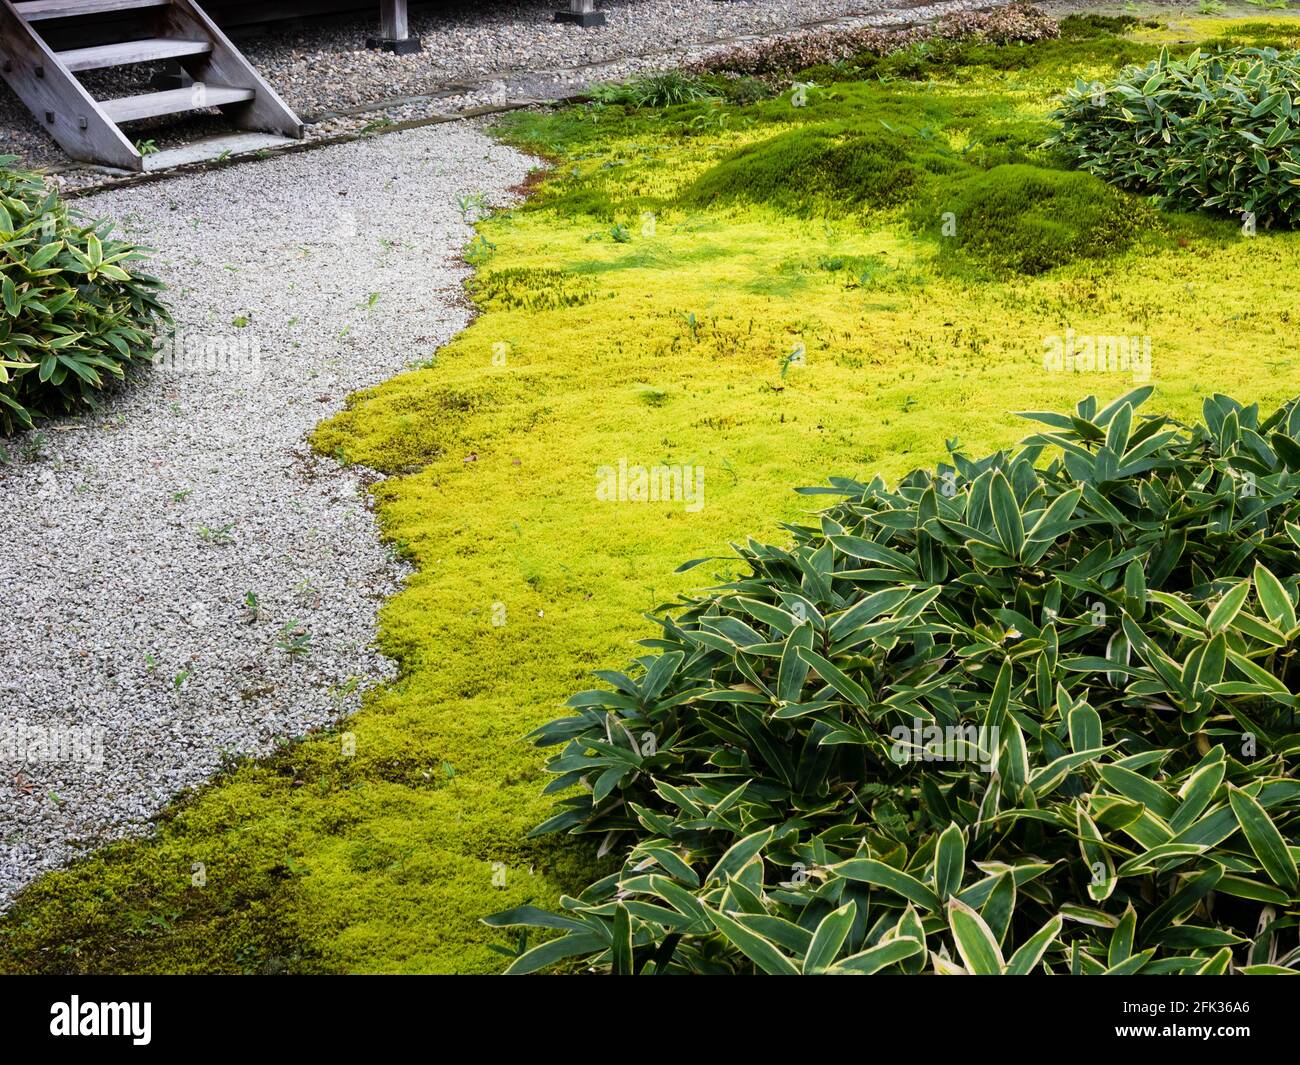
point(120, 55)
point(37, 10)
point(221, 146)
point(172, 102)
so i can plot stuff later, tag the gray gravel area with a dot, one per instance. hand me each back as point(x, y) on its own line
point(474, 54)
point(469, 42)
point(133, 537)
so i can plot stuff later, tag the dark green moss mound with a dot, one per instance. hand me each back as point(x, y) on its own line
point(821, 171)
point(1086, 27)
point(1026, 219)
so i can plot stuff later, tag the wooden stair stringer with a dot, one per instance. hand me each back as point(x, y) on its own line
point(226, 65)
point(65, 110)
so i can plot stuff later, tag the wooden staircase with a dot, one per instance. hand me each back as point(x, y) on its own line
point(89, 129)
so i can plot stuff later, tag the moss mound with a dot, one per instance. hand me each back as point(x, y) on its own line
point(1023, 219)
point(823, 170)
point(1092, 26)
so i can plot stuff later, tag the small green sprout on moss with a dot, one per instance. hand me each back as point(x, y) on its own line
point(479, 250)
point(795, 358)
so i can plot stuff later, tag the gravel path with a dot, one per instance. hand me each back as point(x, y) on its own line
point(467, 42)
point(475, 53)
point(133, 538)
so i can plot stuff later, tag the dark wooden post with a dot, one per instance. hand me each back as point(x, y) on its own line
point(581, 13)
point(394, 29)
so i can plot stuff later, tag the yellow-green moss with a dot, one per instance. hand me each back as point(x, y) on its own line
point(667, 342)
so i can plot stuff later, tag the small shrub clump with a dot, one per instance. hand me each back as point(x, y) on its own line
point(1017, 218)
point(1010, 24)
point(1031, 713)
point(74, 315)
point(743, 89)
point(668, 89)
point(1211, 131)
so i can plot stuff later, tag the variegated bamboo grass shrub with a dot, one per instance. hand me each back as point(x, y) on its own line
point(1032, 713)
point(1213, 130)
point(74, 310)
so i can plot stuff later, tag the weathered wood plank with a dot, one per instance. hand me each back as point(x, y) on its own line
point(103, 56)
point(173, 101)
point(37, 10)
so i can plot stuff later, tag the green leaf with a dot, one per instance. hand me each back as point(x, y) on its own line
point(1135, 589)
point(621, 943)
point(554, 950)
point(1138, 788)
point(1135, 963)
point(949, 861)
point(659, 675)
point(829, 938)
point(1099, 866)
point(1274, 599)
point(975, 941)
point(1264, 839)
point(836, 678)
point(1218, 965)
point(1122, 938)
point(1197, 793)
point(1000, 905)
point(878, 957)
point(1085, 728)
point(794, 669)
point(869, 871)
point(1031, 951)
point(762, 952)
point(871, 551)
point(1007, 519)
point(1117, 434)
point(533, 917)
point(739, 854)
point(1287, 450)
point(1227, 607)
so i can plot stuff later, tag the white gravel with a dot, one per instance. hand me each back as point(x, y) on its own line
point(131, 538)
